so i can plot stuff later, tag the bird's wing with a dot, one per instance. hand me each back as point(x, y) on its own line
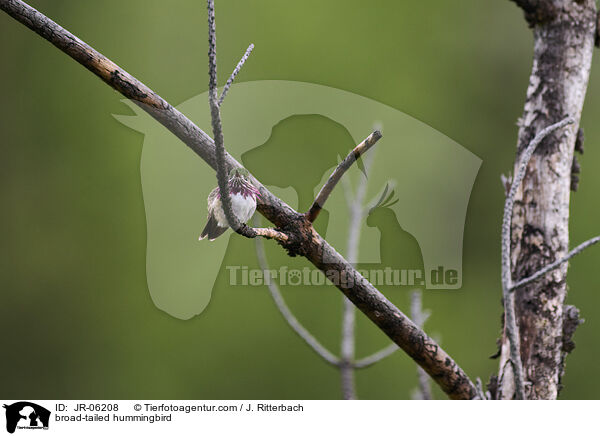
point(211, 199)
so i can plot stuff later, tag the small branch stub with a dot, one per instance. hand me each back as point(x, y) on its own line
point(337, 174)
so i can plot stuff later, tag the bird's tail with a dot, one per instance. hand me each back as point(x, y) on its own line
point(212, 230)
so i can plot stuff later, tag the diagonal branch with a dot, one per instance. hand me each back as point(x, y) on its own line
point(419, 316)
point(235, 72)
point(512, 331)
point(337, 174)
point(551, 267)
point(303, 238)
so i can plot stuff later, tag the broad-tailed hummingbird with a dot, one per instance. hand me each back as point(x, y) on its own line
point(243, 204)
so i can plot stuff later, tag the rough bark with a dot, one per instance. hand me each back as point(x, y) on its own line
point(303, 238)
point(564, 33)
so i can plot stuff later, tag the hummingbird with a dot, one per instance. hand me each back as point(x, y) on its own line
point(243, 203)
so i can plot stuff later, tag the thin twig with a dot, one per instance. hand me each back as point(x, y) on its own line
point(337, 174)
point(512, 331)
point(371, 360)
point(348, 343)
point(551, 267)
point(510, 199)
point(355, 202)
point(235, 72)
point(383, 313)
point(293, 322)
point(347, 350)
point(217, 128)
point(419, 317)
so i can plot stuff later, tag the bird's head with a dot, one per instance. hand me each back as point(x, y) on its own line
point(239, 173)
point(239, 183)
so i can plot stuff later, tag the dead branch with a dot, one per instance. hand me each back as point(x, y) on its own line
point(219, 140)
point(235, 72)
point(577, 250)
point(337, 174)
point(298, 328)
point(511, 328)
point(419, 316)
point(563, 44)
point(354, 202)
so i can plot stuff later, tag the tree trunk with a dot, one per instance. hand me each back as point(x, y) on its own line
point(564, 34)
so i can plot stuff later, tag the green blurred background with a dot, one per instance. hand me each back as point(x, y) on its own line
point(75, 312)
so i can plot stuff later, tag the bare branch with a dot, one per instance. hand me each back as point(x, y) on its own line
point(510, 199)
point(222, 174)
point(563, 50)
point(512, 330)
point(293, 322)
point(551, 267)
point(304, 240)
point(235, 72)
point(356, 211)
point(337, 174)
point(269, 233)
point(348, 346)
point(419, 317)
point(376, 357)
point(215, 113)
point(212, 51)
